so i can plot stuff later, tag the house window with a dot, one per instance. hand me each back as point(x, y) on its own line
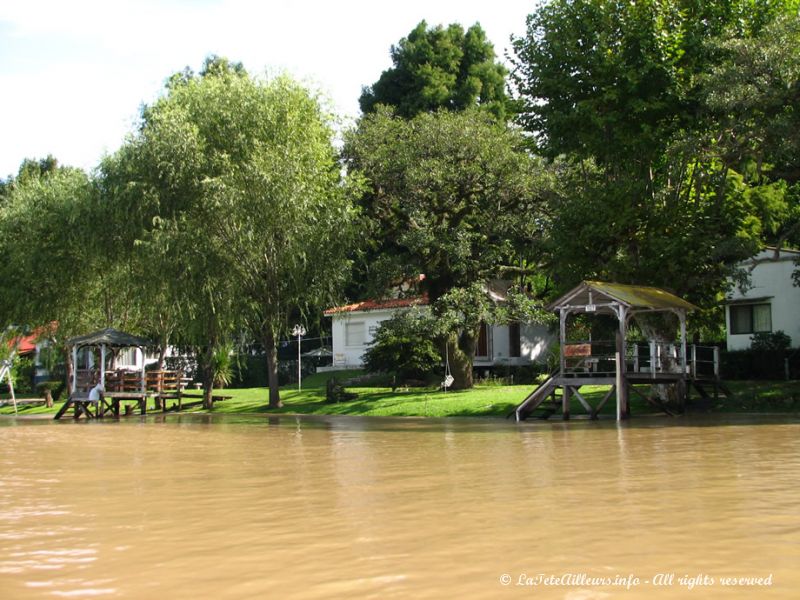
point(354, 333)
point(127, 357)
point(514, 340)
point(751, 318)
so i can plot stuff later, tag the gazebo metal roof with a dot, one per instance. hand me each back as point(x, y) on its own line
point(109, 337)
point(637, 297)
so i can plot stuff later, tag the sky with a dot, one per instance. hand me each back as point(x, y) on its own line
point(74, 74)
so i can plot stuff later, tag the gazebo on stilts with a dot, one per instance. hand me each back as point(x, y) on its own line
point(121, 385)
point(620, 363)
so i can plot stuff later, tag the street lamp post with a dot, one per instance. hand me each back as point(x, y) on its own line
point(299, 331)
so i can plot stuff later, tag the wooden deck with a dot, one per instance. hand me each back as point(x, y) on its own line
point(127, 389)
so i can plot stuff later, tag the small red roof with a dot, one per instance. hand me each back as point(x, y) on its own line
point(388, 303)
point(27, 343)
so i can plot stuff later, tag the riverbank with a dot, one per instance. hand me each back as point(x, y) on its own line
point(485, 400)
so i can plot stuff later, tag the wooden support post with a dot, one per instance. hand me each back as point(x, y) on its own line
point(653, 361)
point(74, 369)
point(103, 365)
point(694, 361)
point(565, 400)
point(583, 401)
point(562, 338)
point(716, 362)
point(144, 380)
point(682, 317)
point(620, 382)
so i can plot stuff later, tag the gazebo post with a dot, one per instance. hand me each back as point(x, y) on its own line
point(621, 383)
point(565, 394)
point(684, 387)
point(141, 349)
point(562, 340)
point(74, 369)
point(103, 365)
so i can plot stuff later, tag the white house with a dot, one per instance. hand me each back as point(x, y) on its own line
point(771, 303)
point(354, 326)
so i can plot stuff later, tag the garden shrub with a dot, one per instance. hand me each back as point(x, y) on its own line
point(403, 347)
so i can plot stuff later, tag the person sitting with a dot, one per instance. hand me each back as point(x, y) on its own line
point(96, 392)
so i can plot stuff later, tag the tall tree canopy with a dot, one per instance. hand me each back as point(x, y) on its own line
point(440, 68)
point(48, 268)
point(618, 88)
point(454, 196)
point(233, 189)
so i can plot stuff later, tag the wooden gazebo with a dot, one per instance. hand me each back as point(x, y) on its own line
point(619, 363)
point(105, 339)
point(128, 386)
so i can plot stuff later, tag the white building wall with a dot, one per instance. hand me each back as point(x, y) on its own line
point(351, 356)
point(534, 341)
point(771, 280)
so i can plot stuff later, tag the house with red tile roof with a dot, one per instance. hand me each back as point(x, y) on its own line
point(354, 325)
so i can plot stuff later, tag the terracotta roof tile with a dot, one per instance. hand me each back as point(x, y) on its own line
point(385, 304)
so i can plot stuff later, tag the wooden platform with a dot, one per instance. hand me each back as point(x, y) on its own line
point(570, 385)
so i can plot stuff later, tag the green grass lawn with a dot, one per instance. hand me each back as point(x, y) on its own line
point(483, 401)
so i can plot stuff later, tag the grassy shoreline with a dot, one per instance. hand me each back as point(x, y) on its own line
point(485, 400)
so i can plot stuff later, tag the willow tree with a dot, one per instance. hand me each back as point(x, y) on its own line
point(233, 184)
point(50, 270)
point(454, 196)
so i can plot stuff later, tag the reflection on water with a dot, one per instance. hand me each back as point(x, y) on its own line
point(246, 507)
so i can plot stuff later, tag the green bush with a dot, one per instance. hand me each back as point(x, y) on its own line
point(56, 389)
point(22, 374)
point(759, 364)
point(404, 348)
point(772, 341)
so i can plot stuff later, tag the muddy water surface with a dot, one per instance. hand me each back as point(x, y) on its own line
point(259, 507)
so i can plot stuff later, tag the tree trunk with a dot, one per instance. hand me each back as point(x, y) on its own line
point(460, 353)
point(207, 376)
point(162, 352)
point(660, 327)
point(272, 368)
point(70, 368)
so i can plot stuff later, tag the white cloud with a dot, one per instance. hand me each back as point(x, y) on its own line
point(101, 59)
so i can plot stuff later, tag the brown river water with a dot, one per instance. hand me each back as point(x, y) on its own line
point(266, 507)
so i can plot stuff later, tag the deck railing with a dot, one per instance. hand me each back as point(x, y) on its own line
point(598, 358)
point(123, 380)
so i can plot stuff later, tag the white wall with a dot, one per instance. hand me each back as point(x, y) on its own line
point(351, 356)
point(534, 341)
point(771, 280)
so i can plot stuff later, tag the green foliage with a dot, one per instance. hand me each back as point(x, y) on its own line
point(441, 68)
point(223, 365)
point(647, 192)
point(454, 196)
point(771, 341)
point(56, 388)
point(231, 189)
point(404, 347)
point(51, 270)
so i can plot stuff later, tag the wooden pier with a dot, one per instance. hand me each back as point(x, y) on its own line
point(619, 364)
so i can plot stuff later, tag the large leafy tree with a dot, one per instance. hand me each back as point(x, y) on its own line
point(54, 270)
point(454, 195)
point(234, 191)
point(753, 94)
point(440, 67)
point(617, 89)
